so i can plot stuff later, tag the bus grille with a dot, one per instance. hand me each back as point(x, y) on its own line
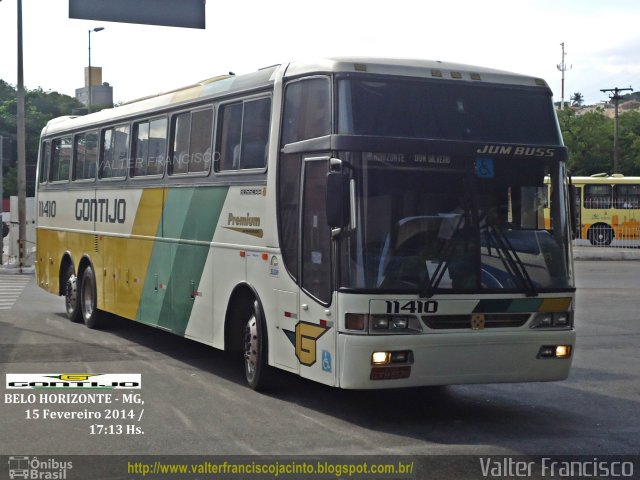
point(460, 322)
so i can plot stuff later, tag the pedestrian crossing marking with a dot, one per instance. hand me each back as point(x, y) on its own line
point(11, 287)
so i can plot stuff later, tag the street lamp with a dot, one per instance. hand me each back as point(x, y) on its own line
point(97, 29)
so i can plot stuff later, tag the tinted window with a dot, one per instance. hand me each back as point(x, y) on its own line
point(307, 110)
point(288, 208)
point(60, 159)
point(115, 152)
point(150, 143)
point(45, 156)
point(191, 148)
point(446, 110)
point(316, 236)
point(86, 156)
point(243, 135)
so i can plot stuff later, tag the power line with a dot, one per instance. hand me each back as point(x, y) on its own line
point(616, 97)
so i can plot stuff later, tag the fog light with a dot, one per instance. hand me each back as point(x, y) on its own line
point(404, 356)
point(381, 358)
point(555, 351)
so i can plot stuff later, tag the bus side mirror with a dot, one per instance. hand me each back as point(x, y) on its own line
point(573, 211)
point(337, 201)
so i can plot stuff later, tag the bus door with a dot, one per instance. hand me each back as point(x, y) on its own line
point(316, 329)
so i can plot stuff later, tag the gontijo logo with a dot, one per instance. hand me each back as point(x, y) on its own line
point(74, 380)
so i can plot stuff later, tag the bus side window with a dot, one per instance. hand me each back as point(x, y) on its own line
point(597, 196)
point(150, 143)
point(230, 121)
point(115, 152)
point(307, 110)
point(243, 134)
point(60, 159)
point(627, 196)
point(191, 142)
point(45, 156)
point(85, 154)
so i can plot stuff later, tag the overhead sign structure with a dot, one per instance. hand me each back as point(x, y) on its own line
point(170, 13)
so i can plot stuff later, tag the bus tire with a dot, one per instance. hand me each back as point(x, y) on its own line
point(600, 235)
point(88, 302)
point(71, 294)
point(255, 345)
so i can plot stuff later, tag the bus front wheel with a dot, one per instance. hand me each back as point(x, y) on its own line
point(600, 235)
point(256, 367)
point(88, 304)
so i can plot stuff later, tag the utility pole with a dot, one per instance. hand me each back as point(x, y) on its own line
point(616, 124)
point(563, 68)
point(22, 168)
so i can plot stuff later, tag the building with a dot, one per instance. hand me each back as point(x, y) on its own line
point(101, 93)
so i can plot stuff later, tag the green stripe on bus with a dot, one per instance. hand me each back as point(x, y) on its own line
point(176, 267)
point(517, 305)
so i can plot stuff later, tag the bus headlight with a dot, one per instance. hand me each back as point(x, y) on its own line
point(394, 324)
point(382, 324)
point(557, 320)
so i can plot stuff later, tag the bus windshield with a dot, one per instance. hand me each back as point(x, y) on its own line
point(445, 227)
point(441, 109)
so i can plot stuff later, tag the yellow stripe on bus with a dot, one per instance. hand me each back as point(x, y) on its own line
point(127, 259)
point(555, 305)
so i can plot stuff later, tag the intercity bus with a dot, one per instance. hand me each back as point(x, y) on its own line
point(364, 223)
point(608, 208)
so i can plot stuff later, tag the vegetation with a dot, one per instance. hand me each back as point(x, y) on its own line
point(589, 138)
point(40, 107)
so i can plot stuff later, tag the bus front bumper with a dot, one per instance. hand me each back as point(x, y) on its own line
point(453, 358)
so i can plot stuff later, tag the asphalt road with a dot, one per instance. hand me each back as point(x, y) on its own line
point(195, 400)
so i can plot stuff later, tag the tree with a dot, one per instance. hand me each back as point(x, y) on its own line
point(630, 143)
point(40, 107)
point(589, 139)
point(577, 99)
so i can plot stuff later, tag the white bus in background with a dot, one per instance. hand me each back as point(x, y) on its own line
point(364, 223)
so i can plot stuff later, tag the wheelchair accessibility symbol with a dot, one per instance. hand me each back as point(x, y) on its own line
point(484, 168)
point(326, 361)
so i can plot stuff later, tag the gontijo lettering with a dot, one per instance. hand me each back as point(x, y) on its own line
point(101, 210)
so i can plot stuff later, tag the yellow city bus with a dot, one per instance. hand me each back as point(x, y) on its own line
point(363, 223)
point(607, 208)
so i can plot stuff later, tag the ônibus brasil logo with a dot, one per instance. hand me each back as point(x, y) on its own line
point(74, 380)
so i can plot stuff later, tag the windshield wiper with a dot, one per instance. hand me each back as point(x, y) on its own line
point(510, 259)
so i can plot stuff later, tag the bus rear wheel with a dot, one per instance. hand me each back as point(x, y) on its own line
point(256, 367)
point(600, 235)
point(71, 295)
point(88, 304)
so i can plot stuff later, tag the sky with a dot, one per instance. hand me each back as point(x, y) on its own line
point(601, 37)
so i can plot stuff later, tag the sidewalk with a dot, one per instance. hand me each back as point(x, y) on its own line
point(13, 269)
point(605, 253)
